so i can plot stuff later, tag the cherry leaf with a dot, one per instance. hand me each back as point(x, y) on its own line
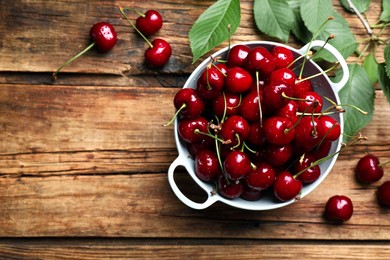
point(274, 18)
point(344, 40)
point(371, 67)
point(384, 81)
point(315, 12)
point(211, 27)
point(385, 15)
point(361, 5)
point(387, 59)
point(298, 27)
point(358, 92)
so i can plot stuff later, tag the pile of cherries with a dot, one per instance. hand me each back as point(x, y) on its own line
point(253, 125)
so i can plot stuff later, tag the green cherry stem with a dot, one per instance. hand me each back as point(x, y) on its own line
point(54, 75)
point(176, 114)
point(121, 9)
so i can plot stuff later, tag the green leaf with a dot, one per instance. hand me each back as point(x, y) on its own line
point(387, 59)
point(211, 28)
point(298, 27)
point(315, 12)
point(274, 18)
point(361, 5)
point(344, 40)
point(384, 81)
point(371, 67)
point(385, 15)
point(357, 92)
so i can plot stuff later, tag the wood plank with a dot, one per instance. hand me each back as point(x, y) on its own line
point(59, 31)
point(72, 130)
point(125, 249)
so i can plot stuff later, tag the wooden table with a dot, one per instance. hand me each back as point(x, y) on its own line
point(83, 161)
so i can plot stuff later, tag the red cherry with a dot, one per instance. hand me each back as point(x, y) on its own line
point(321, 150)
point(368, 169)
point(249, 107)
point(158, 54)
point(286, 187)
point(307, 172)
point(283, 56)
point(228, 188)
point(278, 130)
point(230, 101)
point(302, 87)
point(261, 177)
point(236, 165)
point(238, 80)
point(235, 130)
point(330, 127)
point(205, 144)
point(187, 101)
point(339, 208)
point(104, 35)
point(383, 193)
point(210, 83)
point(277, 155)
point(188, 129)
point(274, 96)
point(282, 75)
point(311, 102)
point(256, 135)
point(308, 132)
point(237, 56)
point(289, 111)
point(207, 165)
point(150, 22)
point(260, 60)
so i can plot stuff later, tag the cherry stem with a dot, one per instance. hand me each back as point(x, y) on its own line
point(135, 11)
point(318, 74)
point(238, 143)
point(121, 9)
point(176, 114)
point(54, 75)
point(197, 131)
point(248, 148)
point(384, 163)
point(364, 21)
point(217, 148)
point(258, 96)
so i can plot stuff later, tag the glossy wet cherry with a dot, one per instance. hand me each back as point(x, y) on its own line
point(207, 165)
point(150, 22)
point(368, 169)
point(236, 165)
point(286, 187)
point(339, 208)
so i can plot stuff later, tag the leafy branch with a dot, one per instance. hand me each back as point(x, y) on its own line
point(282, 19)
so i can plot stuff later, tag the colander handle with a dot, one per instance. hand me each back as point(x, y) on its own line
point(319, 43)
point(180, 161)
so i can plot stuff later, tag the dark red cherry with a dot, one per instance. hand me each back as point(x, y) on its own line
point(228, 101)
point(104, 35)
point(249, 107)
point(210, 83)
point(277, 155)
point(189, 129)
point(289, 111)
point(238, 80)
point(237, 56)
point(150, 22)
point(383, 193)
point(368, 169)
point(310, 102)
point(274, 96)
point(282, 75)
point(235, 130)
point(158, 54)
point(308, 132)
point(250, 194)
point(260, 60)
point(256, 134)
point(308, 173)
point(205, 144)
point(302, 87)
point(228, 188)
point(262, 177)
point(236, 165)
point(321, 150)
point(330, 127)
point(283, 56)
point(339, 208)
point(187, 101)
point(207, 165)
point(278, 130)
point(286, 187)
